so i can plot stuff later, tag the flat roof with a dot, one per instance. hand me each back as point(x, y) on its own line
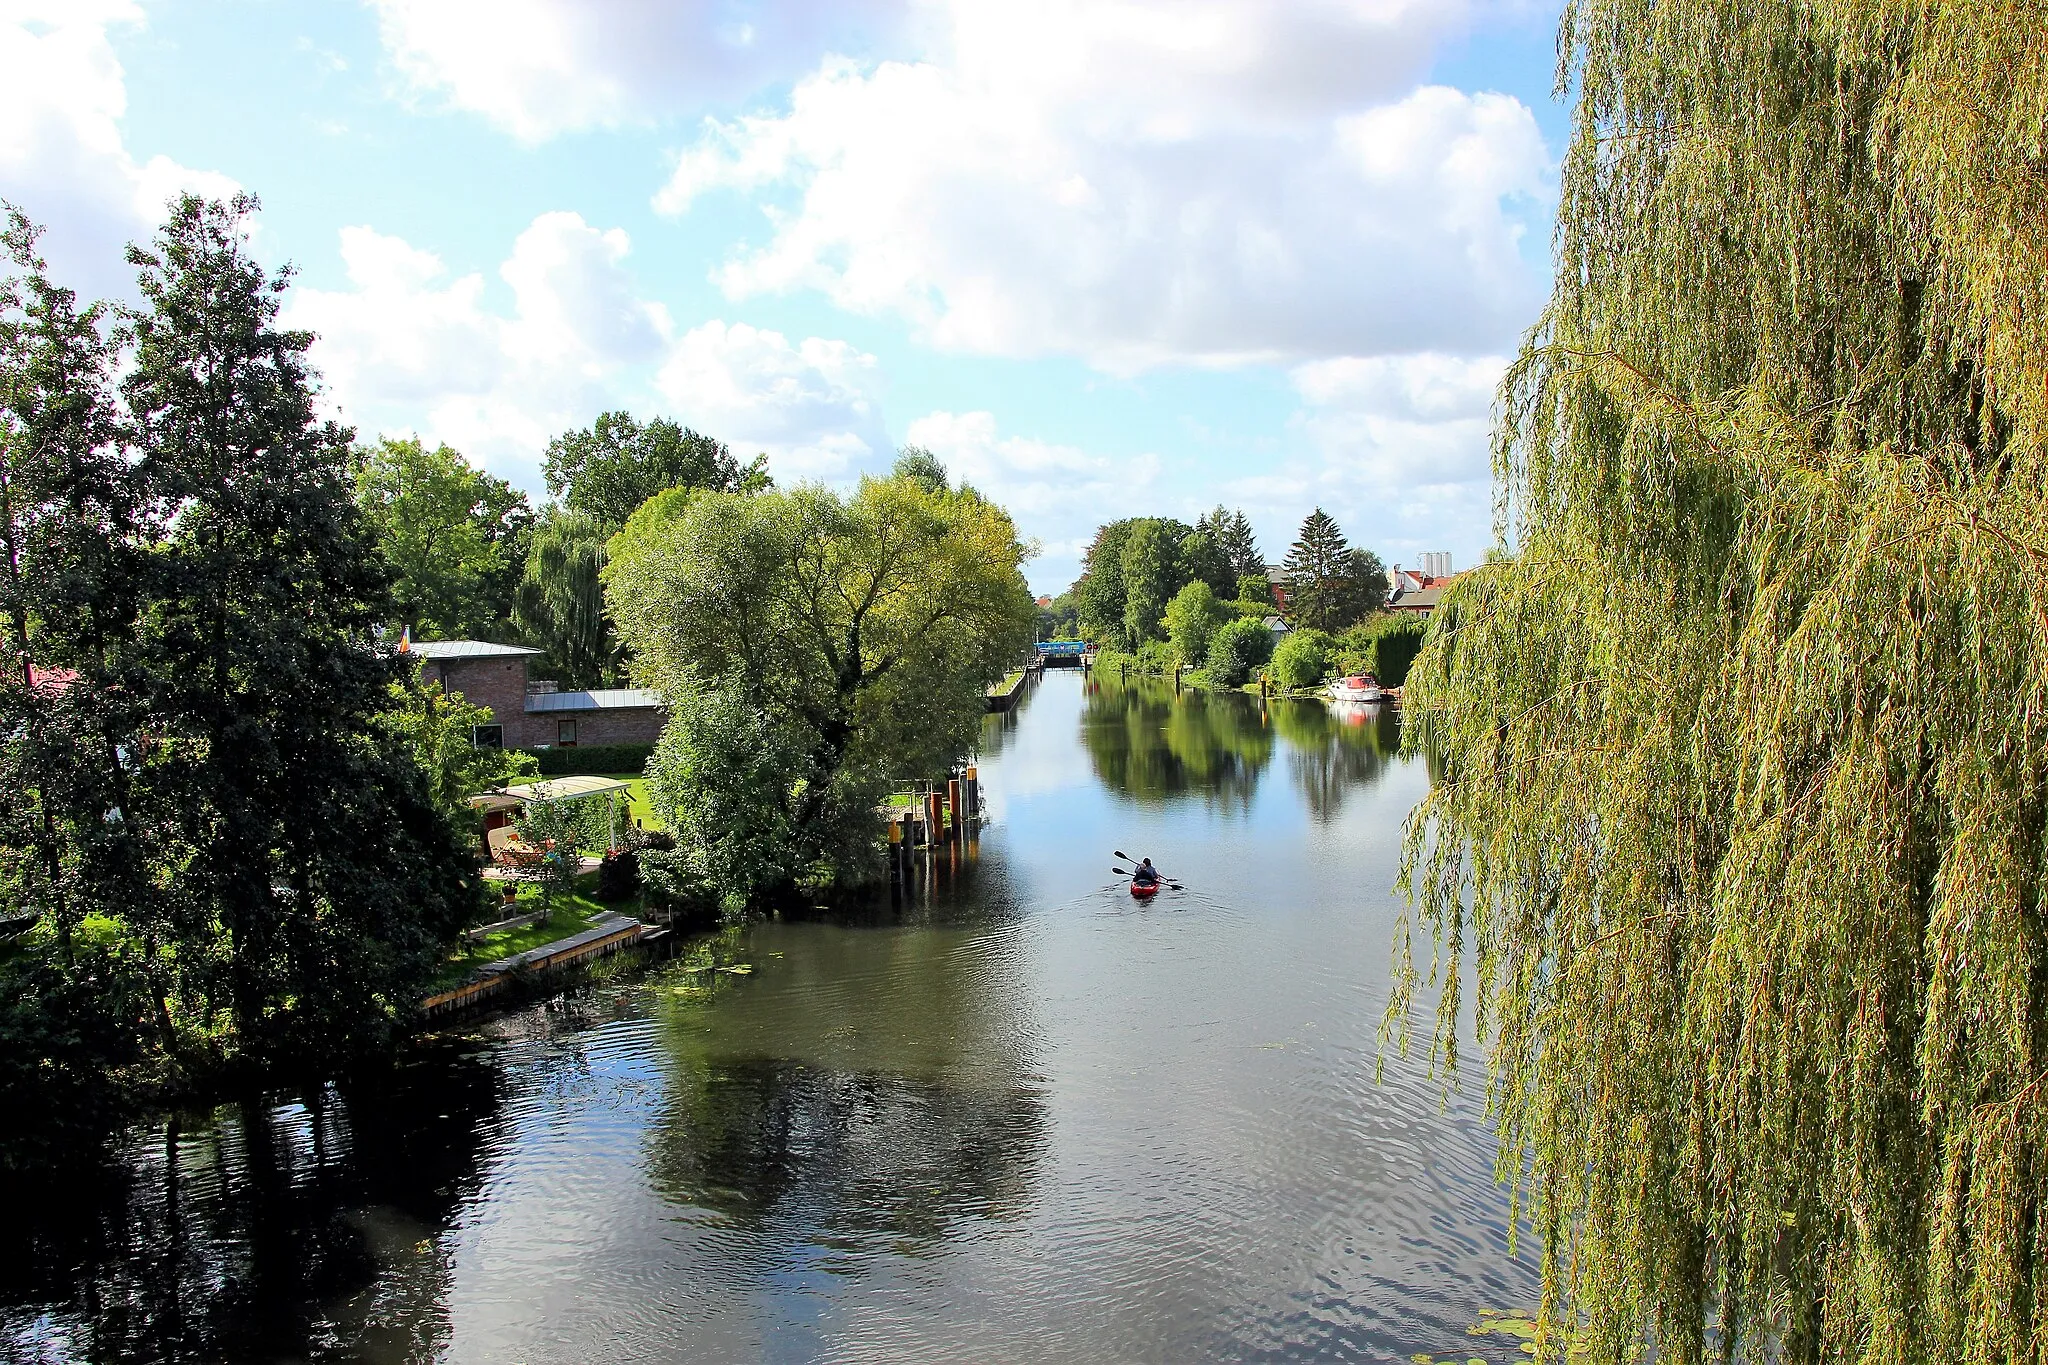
point(551, 789)
point(602, 699)
point(467, 649)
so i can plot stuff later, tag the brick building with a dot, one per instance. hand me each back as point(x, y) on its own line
point(530, 713)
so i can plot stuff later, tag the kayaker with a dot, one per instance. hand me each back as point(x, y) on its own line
point(1146, 875)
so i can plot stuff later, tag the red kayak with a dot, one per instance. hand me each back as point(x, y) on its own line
point(1144, 891)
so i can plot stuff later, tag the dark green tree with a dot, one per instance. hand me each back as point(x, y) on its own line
point(304, 874)
point(1232, 534)
point(608, 469)
point(70, 997)
point(1331, 585)
point(1202, 560)
point(455, 537)
point(921, 467)
point(1099, 592)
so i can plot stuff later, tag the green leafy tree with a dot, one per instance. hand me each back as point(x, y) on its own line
point(921, 467)
point(304, 874)
point(1191, 619)
point(608, 469)
point(455, 536)
point(560, 603)
point(1384, 645)
point(437, 729)
point(1257, 589)
point(70, 998)
point(1330, 584)
point(1236, 649)
point(1746, 832)
point(1099, 592)
point(863, 631)
point(1303, 657)
point(1152, 573)
point(1202, 560)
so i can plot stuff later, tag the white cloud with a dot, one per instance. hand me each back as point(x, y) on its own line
point(1395, 449)
point(1058, 494)
point(62, 158)
point(810, 406)
point(1212, 182)
point(537, 68)
point(407, 347)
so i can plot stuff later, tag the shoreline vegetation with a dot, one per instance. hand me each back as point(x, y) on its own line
point(236, 825)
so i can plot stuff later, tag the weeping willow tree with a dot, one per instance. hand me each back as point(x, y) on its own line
point(1745, 730)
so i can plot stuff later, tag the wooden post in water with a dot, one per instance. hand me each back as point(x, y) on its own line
point(959, 811)
point(934, 819)
point(970, 791)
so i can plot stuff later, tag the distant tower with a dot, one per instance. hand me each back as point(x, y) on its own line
point(1436, 564)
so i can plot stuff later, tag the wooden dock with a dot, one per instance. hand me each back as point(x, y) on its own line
point(608, 935)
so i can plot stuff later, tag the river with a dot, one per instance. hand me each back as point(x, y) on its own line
point(1020, 1118)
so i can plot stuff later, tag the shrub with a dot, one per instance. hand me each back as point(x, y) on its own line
point(1113, 665)
point(618, 874)
point(1155, 656)
point(594, 758)
point(1303, 658)
point(1236, 649)
point(1383, 645)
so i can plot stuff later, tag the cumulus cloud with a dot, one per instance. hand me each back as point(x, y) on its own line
point(408, 346)
point(1394, 447)
point(537, 68)
point(1058, 494)
point(62, 158)
point(810, 406)
point(1214, 182)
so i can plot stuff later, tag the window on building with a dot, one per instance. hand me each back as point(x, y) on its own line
point(487, 737)
point(565, 734)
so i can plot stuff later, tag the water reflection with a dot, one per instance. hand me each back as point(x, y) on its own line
point(869, 1091)
point(1152, 743)
point(1335, 750)
point(1007, 1115)
point(259, 1230)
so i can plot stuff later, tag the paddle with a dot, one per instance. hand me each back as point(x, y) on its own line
point(1164, 880)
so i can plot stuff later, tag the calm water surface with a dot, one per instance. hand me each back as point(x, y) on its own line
point(1020, 1118)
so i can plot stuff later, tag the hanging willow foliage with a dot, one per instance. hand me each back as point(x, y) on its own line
point(1746, 738)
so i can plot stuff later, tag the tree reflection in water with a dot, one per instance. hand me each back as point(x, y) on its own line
point(873, 1093)
point(1152, 744)
point(260, 1230)
point(1335, 749)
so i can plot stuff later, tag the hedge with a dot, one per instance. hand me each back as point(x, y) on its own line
point(592, 758)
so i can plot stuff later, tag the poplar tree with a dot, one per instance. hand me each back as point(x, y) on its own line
point(1745, 743)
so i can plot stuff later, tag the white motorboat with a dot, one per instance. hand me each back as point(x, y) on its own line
point(1357, 687)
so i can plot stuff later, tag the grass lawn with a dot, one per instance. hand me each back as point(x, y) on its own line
point(573, 914)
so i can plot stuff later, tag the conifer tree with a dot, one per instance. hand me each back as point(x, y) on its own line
point(1330, 584)
point(306, 877)
point(1746, 765)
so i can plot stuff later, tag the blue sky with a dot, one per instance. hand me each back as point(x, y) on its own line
point(1110, 258)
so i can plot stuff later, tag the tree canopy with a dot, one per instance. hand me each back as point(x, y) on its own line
point(226, 862)
point(1231, 533)
point(1330, 584)
point(1746, 764)
point(609, 468)
point(1134, 568)
point(456, 537)
point(814, 647)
